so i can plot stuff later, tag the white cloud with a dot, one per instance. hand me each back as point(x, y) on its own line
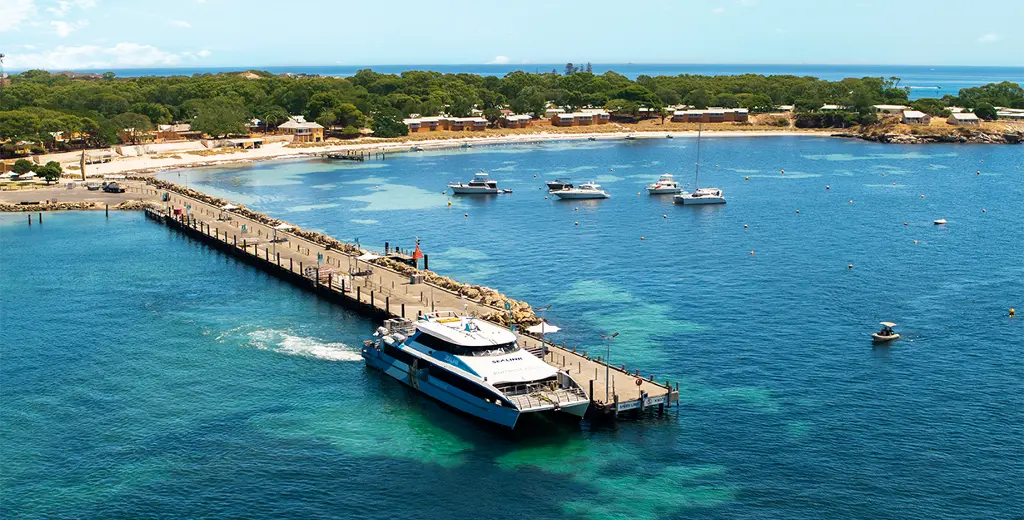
point(122, 55)
point(15, 13)
point(64, 6)
point(181, 23)
point(718, 10)
point(988, 38)
point(63, 28)
point(499, 60)
point(204, 53)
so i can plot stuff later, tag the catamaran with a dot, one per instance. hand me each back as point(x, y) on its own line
point(699, 195)
point(473, 366)
point(479, 185)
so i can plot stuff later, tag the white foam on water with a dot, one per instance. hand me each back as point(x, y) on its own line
point(283, 342)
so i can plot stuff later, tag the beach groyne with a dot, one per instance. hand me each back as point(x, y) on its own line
point(33, 207)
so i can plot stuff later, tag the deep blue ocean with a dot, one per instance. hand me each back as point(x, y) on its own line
point(926, 81)
point(145, 375)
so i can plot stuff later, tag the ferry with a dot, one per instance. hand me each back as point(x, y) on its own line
point(587, 190)
point(479, 185)
point(666, 185)
point(473, 366)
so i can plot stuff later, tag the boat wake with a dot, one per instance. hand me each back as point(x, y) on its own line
point(283, 342)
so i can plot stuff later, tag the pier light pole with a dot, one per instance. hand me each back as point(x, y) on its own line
point(543, 321)
point(607, 365)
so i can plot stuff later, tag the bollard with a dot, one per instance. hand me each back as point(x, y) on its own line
point(426, 263)
point(387, 304)
point(291, 264)
point(29, 220)
point(40, 217)
point(403, 310)
point(107, 211)
point(278, 258)
point(342, 286)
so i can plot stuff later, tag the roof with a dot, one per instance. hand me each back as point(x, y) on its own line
point(964, 116)
point(179, 127)
point(889, 107)
point(914, 114)
point(831, 107)
point(304, 124)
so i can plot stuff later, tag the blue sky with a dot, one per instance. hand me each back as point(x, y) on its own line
point(105, 34)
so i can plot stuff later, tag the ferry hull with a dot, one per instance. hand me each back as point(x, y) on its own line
point(440, 391)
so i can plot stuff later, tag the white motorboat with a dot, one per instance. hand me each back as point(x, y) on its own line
point(473, 366)
point(666, 185)
point(557, 184)
point(480, 185)
point(631, 137)
point(699, 195)
point(587, 190)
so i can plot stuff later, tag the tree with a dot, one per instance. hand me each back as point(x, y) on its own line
point(349, 115)
point(220, 116)
point(16, 124)
point(758, 103)
point(51, 171)
point(22, 166)
point(985, 111)
point(622, 107)
point(663, 113)
point(569, 69)
point(698, 98)
point(492, 115)
point(388, 123)
point(157, 113)
point(131, 125)
point(350, 132)
point(273, 116)
point(726, 100)
point(930, 106)
point(590, 70)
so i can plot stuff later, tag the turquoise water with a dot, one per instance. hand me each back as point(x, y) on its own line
point(145, 375)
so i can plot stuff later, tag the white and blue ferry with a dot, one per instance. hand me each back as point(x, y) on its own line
point(473, 366)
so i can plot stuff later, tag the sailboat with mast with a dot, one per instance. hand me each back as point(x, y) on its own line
point(699, 195)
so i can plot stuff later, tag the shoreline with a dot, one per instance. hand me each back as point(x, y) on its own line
point(149, 165)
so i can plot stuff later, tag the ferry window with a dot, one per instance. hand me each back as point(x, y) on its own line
point(459, 350)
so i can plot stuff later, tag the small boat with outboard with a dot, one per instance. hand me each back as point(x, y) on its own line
point(886, 334)
point(940, 222)
point(666, 185)
point(473, 366)
point(481, 184)
point(587, 190)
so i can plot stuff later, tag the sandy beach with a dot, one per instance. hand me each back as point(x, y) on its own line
point(166, 160)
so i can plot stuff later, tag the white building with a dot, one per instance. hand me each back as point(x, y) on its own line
point(964, 119)
point(914, 117)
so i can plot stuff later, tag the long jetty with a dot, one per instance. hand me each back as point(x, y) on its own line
point(381, 293)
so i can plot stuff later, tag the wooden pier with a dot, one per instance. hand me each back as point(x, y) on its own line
point(382, 293)
point(354, 155)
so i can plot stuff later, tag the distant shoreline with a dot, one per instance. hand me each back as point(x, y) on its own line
point(146, 165)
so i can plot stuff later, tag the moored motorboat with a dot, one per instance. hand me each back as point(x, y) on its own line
point(557, 184)
point(479, 185)
point(886, 334)
point(666, 185)
point(473, 366)
point(939, 222)
point(587, 190)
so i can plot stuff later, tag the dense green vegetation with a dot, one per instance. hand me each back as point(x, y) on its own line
point(37, 103)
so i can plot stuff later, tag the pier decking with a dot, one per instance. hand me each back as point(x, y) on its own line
point(383, 293)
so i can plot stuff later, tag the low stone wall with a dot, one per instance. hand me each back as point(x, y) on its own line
point(129, 205)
